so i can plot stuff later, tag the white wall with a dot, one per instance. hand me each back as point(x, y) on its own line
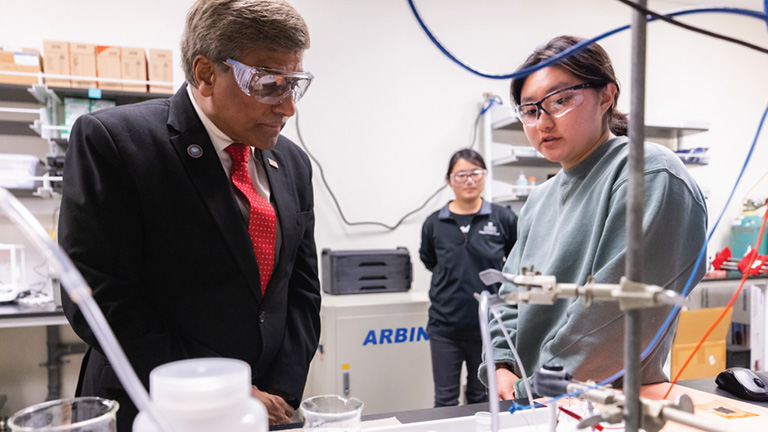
point(388, 109)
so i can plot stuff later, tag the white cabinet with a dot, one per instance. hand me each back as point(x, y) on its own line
point(374, 347)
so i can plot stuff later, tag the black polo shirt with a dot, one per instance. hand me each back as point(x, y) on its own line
point(455, 259)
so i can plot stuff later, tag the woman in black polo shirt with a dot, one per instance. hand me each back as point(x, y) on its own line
point(465, 237)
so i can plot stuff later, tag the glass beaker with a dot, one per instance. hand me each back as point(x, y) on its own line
point(81, 414)
point(331, 413)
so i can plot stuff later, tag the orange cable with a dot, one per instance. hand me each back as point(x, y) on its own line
point(725, 311)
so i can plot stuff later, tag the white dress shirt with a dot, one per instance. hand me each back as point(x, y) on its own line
point(255, 168)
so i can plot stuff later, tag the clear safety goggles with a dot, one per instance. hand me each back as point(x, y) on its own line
point(269, 86)
point(556, 104)
point(462, 177)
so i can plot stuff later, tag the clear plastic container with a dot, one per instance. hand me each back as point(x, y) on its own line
point(205, 395)
point(522, 183)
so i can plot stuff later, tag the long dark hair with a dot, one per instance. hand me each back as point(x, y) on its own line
point(592, 65)
point(468, 155)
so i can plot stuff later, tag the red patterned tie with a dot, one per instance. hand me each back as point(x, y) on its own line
point(262, 220)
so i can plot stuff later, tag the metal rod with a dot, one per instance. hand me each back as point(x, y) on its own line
point(690, 419)
point(54, 363)
point(57, 350)
point(490, 365)
point(634, 262)
point(488, 148)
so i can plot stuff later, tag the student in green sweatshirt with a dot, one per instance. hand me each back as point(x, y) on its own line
point(573, 225)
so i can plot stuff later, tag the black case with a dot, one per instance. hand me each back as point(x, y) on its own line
point(366, 271)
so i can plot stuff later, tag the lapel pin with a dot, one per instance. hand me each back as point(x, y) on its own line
point(272, 162)
point(195, 151)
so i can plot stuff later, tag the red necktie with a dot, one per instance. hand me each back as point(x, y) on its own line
point(262, 220)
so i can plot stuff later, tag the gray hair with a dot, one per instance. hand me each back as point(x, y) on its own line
point(222, 29)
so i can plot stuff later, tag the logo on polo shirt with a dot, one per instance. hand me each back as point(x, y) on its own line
point(489, 229)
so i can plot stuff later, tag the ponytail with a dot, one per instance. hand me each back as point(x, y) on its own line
point(618, 123)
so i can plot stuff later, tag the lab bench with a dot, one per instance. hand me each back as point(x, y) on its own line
point(14, 315)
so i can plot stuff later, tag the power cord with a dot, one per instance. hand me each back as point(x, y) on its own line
point(491, 101)
point(576, 48)
point(700, 30)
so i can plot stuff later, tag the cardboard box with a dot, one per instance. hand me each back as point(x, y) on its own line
point(134, 67)
point(56, 61)
point(709, 360)
point(108, 66)
point(82, 62)
point(26, 61)
point(160, 69)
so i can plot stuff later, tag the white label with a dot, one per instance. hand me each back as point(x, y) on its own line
point(26, 59)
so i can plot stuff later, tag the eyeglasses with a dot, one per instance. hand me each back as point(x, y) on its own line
point(269, 86)
point(463, 177)
point(556, 104)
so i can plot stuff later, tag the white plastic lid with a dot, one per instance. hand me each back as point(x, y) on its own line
point(200, 384)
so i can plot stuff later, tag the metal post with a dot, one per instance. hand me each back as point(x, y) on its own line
point(54, 363)
point(634, 262)
point(57, 350)
point(487, 148)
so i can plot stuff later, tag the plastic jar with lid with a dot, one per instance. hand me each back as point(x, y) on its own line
point(204, 395)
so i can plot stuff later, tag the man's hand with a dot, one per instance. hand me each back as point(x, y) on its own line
point(505, 380)
point(279, 411)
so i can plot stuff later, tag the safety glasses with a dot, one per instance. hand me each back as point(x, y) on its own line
point(462, 177)
point(556, 104)
point(269, 86)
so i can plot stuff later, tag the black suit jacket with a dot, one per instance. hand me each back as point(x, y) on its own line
point(158, 236)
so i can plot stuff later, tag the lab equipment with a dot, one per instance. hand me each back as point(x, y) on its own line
point(544, 289)
point(485, 307)
point(372, 347)
point(205, 395)
point(744, 383)
point(331, 413)
point(745, 230)
point(13, 276)
point(366, 271)
point(80, 294)
point(82, 414)
point(553, 380)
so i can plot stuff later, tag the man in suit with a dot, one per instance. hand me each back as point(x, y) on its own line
point(167, 222)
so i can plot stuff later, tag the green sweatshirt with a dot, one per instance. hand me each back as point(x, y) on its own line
point(573, 226)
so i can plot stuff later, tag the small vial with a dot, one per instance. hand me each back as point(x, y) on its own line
point(522, 183)
point(482, 421)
